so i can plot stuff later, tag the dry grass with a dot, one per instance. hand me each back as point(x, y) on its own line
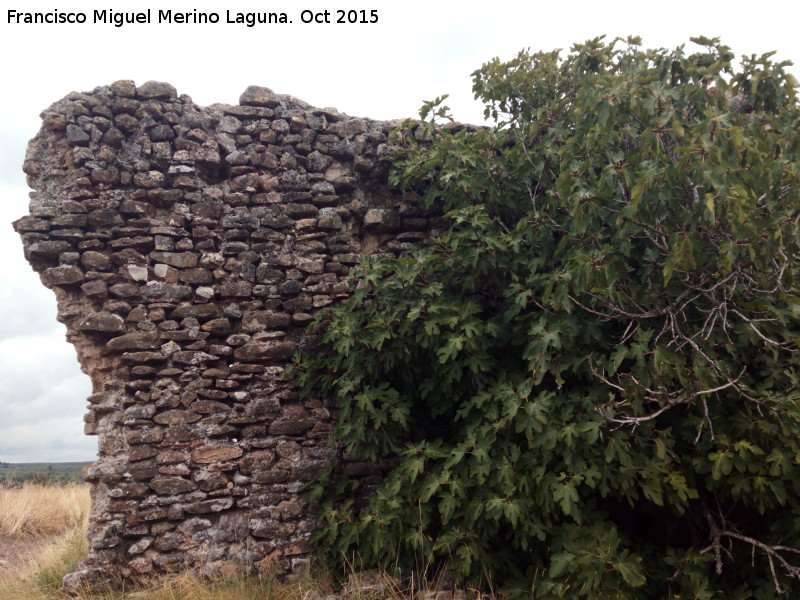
point(53, 520)
point(59, 515)
point(189, 586)
point(43, 511)
point(40, 578)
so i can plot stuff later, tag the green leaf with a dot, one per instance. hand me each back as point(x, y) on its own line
point(597, 349)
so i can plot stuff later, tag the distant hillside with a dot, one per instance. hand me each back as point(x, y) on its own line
point(47, 473)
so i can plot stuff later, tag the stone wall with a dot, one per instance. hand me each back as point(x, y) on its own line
point(188, 249)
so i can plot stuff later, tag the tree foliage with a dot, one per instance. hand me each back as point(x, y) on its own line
point(590, 380)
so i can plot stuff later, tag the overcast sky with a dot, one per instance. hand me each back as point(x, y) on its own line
point(416, 51)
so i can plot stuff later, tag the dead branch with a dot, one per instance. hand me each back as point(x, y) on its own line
point(773, 553)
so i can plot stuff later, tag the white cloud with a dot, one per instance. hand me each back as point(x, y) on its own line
point(26, 306)
point(48, 440)
point(42, 401)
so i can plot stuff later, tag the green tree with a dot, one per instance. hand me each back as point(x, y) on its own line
point(590, 380)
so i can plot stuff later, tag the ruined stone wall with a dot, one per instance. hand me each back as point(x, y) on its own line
point(188, 249)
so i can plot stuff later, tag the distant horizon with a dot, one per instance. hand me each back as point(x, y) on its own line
point(46, 462)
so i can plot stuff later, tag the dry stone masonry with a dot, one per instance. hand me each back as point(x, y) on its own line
point(188, 249)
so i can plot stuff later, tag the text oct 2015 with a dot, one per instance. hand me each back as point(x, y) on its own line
point(194, 17)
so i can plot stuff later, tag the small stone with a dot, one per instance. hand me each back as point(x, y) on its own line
point(54, 122)
point(169, 541)
point(290, 509)
point(171, 486)
point(290, 288)
point(268, 528)
point(156, 90)
point(218, 326)
point(161, 133)
point(195, 276)
point(161, 197)
point(102, 322)
point(342, 151)
point(77, 136)
point(311, 266)
point(143, 357)
point(142, 564)
point(316, 162)
point(95, 289)
point(176, 417)
point(124, 290)
point(104, 217)
point(253, 321)
point(192, 358)
point(62, 276)
point(236, 288)
point(144, 340)
point(144, 436)
point(271, 350)
point(137, 273)
point(140, 546)
point(298, 211)
point(180, 260)
point(95, 261)
point(124, 88)
point(150, 179)
point(140, 411)
point(291, 425)
point(214, 453)
point(205, 292)
point(259, 96)
point(209, 506)
point(166, 292)
point(209, 407)
point(113, 137)
point(28, 223)
point(256, 461)
point(105, 176)
point(49, 249)
point(382, 220)
point(229, 124)
point(329, 219)
point(195, 311)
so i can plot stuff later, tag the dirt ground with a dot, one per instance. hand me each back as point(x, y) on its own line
point(15, 552)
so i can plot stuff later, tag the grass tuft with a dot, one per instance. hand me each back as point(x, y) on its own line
point(42, 511)
point(56, 518)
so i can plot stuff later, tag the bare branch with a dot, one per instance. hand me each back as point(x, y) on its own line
point(672, 399)
point(773, 553)
point(784, 345)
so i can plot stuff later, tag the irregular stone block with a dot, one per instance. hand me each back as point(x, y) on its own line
point(170, 486)
point(77, 136)
point(62, 276)
point(156, 90)
point(102, 322)
point(255, 351)
point(144, 340)
point(180, 260)
point(209, 506)
point(176, 417)
point(166, 292)
point(192, 358)
point(216, 453)
point(48, 250)
point(259, 96)
point(382, 220)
